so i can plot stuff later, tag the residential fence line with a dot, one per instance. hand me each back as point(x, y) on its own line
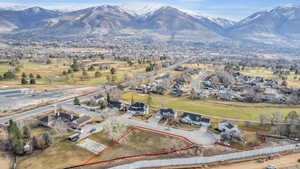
point(211, 159)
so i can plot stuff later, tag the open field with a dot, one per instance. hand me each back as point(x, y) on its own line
point(52, 77)
point(237, 110)
point(137, 142)
point(64, 153)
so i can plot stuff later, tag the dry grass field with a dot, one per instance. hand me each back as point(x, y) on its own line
point(65, 154)
point(60, 155)
point(137, 142)
point(52, 77)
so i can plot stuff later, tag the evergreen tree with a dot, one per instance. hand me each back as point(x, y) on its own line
point(91, 68)
point(75, 66)
point(24, 81)
point(38, 76)
point(97, 74)
point(26, 132)
point(19, 147)
point(76, 101)
point(107, 97)
point(32, 81)
point(70, 71)
point(24, 75)
point(9, 75)
point(113, 71)
point(15, 138)
point(47, 139)
point(48, 62)
point(85, 75)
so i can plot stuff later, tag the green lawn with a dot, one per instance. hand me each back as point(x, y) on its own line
point(247, 111)
point(3, 68)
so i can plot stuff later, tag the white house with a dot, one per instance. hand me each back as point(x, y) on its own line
point(166, 113)
point(228, 127)
point(194, 119)
point(138, 109)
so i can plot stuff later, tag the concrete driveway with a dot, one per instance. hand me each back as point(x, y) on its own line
point(91, 146)
point(198, 136)
point(90, 129)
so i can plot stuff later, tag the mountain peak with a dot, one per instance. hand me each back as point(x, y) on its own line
point(289, 5)
point(164, 9)
point(35, 9)
point(140, 8)
point(107, 7)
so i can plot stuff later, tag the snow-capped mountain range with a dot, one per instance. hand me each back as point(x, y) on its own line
point(273, 26)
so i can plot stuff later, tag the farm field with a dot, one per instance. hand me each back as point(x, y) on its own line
point(237, 110)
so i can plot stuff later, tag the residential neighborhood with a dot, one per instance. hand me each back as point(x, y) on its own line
point(128, 84)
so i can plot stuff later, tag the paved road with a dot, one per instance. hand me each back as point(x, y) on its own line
point(206, 160)
point(197, 136)
point(43, 109)
point(39, 110)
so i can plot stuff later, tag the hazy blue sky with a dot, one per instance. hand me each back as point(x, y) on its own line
point(234, 9)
